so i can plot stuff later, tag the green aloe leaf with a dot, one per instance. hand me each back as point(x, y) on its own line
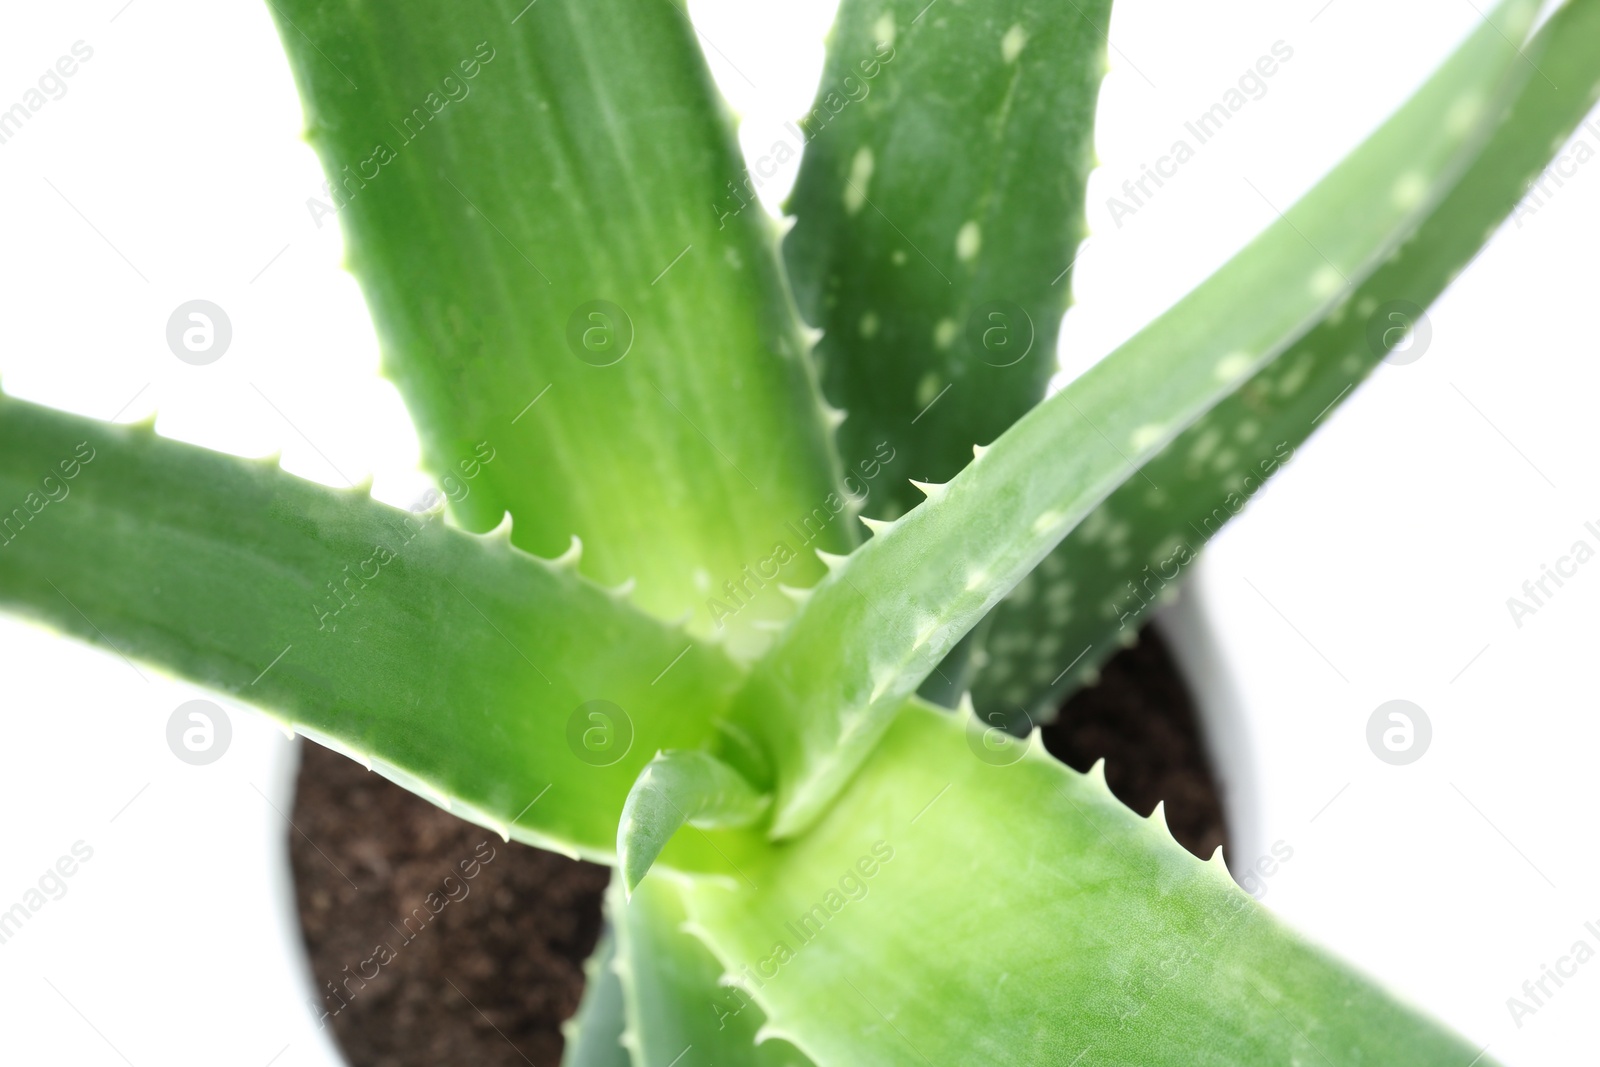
point(676, 788)
point(501, 686)
point(962, 904)
point(678, 1014)
point(888, 613)
point(939, 206)
point(529, 195)
point(1090, 594)
point(594, 1035)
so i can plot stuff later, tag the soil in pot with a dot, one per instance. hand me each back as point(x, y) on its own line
point(483, 968)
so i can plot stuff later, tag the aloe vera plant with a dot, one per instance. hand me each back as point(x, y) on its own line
point(654, 634)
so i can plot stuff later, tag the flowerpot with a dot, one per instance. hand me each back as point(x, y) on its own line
point(148, 911)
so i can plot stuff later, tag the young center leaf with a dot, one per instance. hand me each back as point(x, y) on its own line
point(674, 789)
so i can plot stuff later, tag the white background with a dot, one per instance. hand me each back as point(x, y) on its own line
point(1375, 567)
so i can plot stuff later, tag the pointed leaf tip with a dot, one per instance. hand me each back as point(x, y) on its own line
point(678, 787)
point(570, 558)
point(832, 561)
point(797, 595)
point(502, 530)
point(964, 706)
point(879, 527)
point(1097, 773)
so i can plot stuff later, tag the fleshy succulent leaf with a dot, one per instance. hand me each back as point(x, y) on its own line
point(507, 689)
point(960, 895)
point(679, 1013)
point(529, 196)
point(1089, 596)
point(594, 1035)
point(677, 788)
point(940, 300)
point(963, 904)
point(884, 617)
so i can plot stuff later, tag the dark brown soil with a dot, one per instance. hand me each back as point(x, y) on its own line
point(488, 980)
point(1141, 720)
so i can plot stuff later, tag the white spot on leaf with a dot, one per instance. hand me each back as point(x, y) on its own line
point(855, 189)
point(967, 241)
point(1011, 44)
point(1326, 282)
point(1409, 190)
point(1207, 444)
point(1145, 436)
point(1233, 365)
point(1047, 521)
point(883, 29)
point(1462, 114)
